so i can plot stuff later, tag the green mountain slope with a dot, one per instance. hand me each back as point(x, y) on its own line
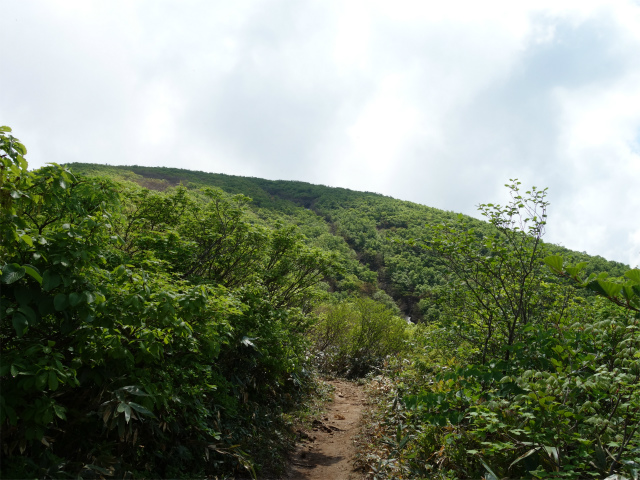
point(377, 237)
point(157, 323)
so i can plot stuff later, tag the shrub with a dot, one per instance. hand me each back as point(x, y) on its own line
point(355, 336)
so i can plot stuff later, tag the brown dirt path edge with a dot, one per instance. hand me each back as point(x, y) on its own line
point(327, 453)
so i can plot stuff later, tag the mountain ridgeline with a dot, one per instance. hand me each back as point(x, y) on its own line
point(380, 240)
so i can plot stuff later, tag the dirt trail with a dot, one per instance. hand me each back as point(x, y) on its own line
point(327, 452)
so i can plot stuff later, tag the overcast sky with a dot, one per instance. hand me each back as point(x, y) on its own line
point(440, 103)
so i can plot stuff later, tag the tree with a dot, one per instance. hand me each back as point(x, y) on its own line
point(498, 275)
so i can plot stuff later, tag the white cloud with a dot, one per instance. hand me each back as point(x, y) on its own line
point(435, 102)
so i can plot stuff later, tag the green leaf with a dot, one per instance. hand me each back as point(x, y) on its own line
point(41, 380)
point(50, 280)
point(12, 273)
point(521, 457)
point(139, 408)
point(28, 313)
point(490, 474)
point(633, 275)
point(20, 147)
point(611, 289)
point(74, 299)
point(123, 407)
point(628, 292)
point(53, 381)
point(33, 272)
point(135, 390)
point(27, 239)
point(88, 297)
point(20, 323)
point(575, 270)
point(553, 454)
point(596, 287)
point(5, 129)
point(555, 262)
point(60, 302)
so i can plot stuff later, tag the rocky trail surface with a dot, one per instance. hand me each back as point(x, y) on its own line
point(326, 452)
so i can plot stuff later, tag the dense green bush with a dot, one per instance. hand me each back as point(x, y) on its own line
point(521, 377)
point(355, 336)
point(145, 334)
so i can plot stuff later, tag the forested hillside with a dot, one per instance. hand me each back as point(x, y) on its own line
point(379, 239)
point(164, 323)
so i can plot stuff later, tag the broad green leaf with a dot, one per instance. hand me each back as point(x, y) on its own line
point(633, 275)
point(123, 407)
point(28, 313)
point(50, 280)
point(555, 262)
point(60, 302)
point(12, 273)
point(627, 292)
point(574, 271)
point(553, 453)
point(20, 323)
point(74, 299)
point(53, 381)
point(41, 380)
point(27, 239)
point(88, 297)
point(139, 408)
point(4, 128)
point(33, 272)
point(611, 289)
point(20, 147)
point(60, 411)
point(135, 390)
point(596, 287)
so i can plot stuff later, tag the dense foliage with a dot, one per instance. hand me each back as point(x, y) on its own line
point(146, 334)
point(521, 377)
point(160, 323)
point(351, 338)
point(371, 234)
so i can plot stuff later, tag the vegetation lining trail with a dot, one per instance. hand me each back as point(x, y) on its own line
point(327, 453)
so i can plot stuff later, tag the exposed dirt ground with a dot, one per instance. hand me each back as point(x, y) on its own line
point(326, 453)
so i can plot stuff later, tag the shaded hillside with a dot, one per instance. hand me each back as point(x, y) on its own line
point(379, 239)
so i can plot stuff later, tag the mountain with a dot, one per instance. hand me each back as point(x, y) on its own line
point(379, 240)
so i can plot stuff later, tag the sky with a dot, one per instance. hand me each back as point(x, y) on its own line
point(439, 103)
